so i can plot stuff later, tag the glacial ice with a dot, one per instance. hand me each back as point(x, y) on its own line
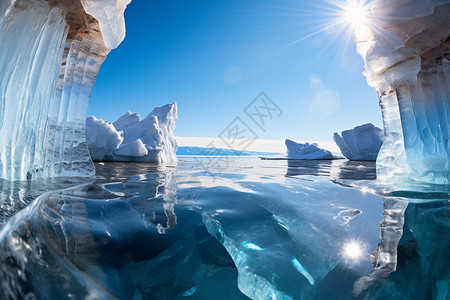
point(306, 151)
point(405, 47)
point(132, 139)
point(360, 143)
point(50, 55)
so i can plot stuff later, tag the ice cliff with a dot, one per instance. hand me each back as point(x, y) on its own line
point(360, 143)
point(405, 45)
point(50, 55)
point(132, 139)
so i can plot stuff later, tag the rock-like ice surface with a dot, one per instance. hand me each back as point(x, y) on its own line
point(306, 151)
point(360, 143)
point(405, 47)
point(132, 139)
point(50, 55)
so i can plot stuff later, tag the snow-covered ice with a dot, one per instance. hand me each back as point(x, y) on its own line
point(360, 143)
point(132, 139)
point(306, 151)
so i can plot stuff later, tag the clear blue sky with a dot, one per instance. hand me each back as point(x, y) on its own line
point(215, 57)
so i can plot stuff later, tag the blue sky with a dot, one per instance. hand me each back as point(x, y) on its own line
point(215, 57)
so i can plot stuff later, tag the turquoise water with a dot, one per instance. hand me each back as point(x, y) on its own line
point(237, 228)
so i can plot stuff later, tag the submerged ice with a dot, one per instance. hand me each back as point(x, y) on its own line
point(264, 230)
point(50, 55)
point(405, 47)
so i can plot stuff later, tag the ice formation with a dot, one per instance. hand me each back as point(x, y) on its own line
point(132, 139)
point(405, 45)
point(51, 52)
point(360, 143)
point(306, 151)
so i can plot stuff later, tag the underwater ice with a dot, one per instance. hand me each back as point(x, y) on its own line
point(132, 139)
point(360, 143)
point(405, 47)
point(50, 55)
point(306, 151)
point(275, 232)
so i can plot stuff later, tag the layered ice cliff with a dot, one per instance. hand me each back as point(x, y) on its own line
point(132, 139)
point(306, 151)
point(360, 143)
point(405, 45)
point(50, 55)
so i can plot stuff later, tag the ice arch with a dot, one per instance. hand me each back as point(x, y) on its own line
point(406, 48)
point(50, 55)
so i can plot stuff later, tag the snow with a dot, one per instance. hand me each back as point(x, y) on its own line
point(132, 139)
point(102, 138)
point(109, 14)
point(360, 143)
point(306, 151)
point(126, 120)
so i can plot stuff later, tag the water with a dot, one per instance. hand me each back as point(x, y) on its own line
point(240, 228)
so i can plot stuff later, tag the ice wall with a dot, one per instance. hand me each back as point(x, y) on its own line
point(50, 55)
point(406, 48)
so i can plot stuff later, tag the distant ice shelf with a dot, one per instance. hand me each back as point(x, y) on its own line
point(405, 46)
point(360, 143)
point(205, 151)
point(132, 139)
point(50, 55)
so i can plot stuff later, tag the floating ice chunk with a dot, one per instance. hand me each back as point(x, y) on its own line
point(102, 138)
point(109, 14)
point(126, 120)
point(306, 151)
point(360, 143)
point(147, 140)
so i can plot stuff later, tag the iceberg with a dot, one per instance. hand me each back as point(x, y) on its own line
point(50, 55)
point(360, 143)
point(306, 151)
point(132, 139)
point(405, 48)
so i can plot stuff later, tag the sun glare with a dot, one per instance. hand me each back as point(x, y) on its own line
point(355, 13)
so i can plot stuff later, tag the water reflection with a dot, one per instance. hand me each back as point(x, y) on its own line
point(159, 234)
point(336, 169)
point(120, 242)
point(411, 259)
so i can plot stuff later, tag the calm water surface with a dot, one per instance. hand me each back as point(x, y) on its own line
point(234, 228)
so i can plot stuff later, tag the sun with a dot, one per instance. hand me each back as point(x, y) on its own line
point(355, 13)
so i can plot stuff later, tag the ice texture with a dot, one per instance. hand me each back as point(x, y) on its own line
point(50, 55)
point(306, 151)
point(102, 138)
point(405, 46)
point(132, 139)
point(360, 143)
point(109, 14)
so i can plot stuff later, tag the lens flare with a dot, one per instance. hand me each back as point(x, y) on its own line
point(355, 13)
